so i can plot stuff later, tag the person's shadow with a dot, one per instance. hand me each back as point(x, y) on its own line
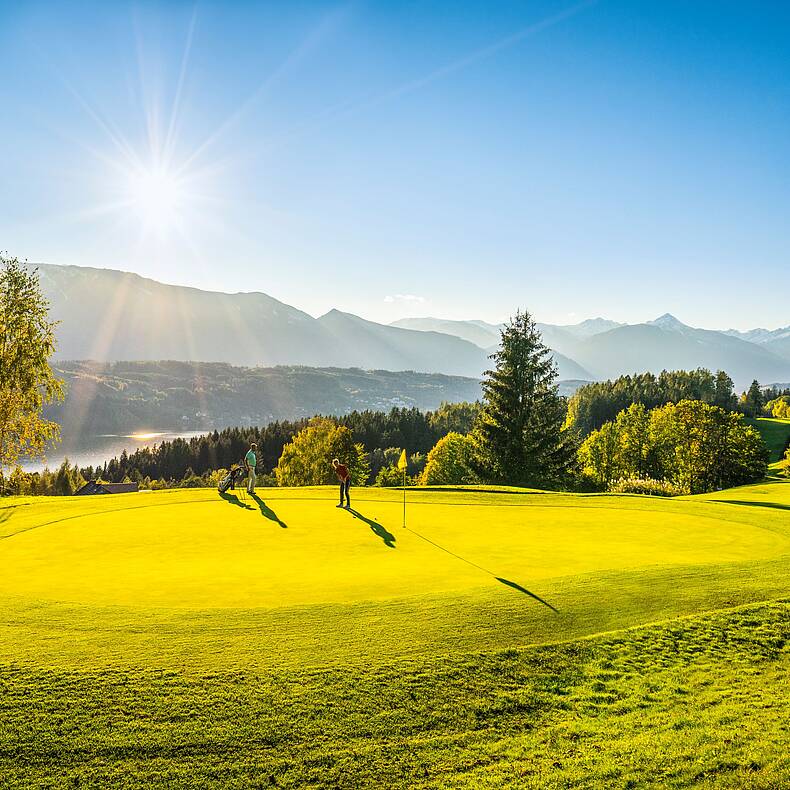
point(376, 528)
point(234, 500)
point(267, 512)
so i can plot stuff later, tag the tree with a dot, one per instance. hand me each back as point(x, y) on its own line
point(724, 396)
point(702, 448)
point(67, 479)
point(778, 407)
point(619, 449)
point(358, 466)
point(387, 472)
point(600, 454)
point(27, 383)
point(633, 427)
point(392, 477)
point(520, 427)
point(454, 417)
point(451, 462)
point(307, 459)
point(751, 403)
point(687, 438)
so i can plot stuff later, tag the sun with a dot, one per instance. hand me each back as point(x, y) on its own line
point(156, 195)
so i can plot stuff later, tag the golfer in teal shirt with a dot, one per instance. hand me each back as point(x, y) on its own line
point(251, 460)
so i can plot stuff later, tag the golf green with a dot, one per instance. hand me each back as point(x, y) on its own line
point(188, 575)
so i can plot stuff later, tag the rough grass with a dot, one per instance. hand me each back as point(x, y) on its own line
point(179, 640)
point(697, 702)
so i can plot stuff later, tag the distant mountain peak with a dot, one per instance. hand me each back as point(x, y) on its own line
point(591, 326)
point(667, 321)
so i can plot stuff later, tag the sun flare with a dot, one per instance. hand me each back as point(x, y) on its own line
point(156, 195)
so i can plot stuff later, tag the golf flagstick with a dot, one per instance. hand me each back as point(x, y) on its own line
point(402, 465)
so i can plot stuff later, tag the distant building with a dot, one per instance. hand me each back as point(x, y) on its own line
point(92, 487)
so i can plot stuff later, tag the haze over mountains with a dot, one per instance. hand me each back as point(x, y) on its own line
point(607, 349)
point(110, 316)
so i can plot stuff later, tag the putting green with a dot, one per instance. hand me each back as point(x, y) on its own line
point(194, 550)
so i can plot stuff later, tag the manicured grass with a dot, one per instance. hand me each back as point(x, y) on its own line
point(177, 638)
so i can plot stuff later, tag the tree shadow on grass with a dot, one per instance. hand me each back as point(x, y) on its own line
point(267, 512)
point(234, 500)
point(775, 505)
point(376, 528)
point(524, 590)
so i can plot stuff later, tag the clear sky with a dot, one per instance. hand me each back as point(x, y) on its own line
point(612, 158)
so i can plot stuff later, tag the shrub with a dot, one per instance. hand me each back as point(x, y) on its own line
point(391, 477)
point(646, 485)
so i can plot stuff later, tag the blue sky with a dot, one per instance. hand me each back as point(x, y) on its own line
point(621, 159)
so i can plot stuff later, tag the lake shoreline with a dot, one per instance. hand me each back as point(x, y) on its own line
point(101, 448)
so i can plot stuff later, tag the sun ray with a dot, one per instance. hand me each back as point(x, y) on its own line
point(290, 62)
point(353, 106)
point(174, 124)
point(102, 343)
point(116, 137)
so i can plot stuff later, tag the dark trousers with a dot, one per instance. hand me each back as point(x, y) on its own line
point(344, 486)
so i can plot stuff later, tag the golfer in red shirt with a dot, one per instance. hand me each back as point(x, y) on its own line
point(344, 476)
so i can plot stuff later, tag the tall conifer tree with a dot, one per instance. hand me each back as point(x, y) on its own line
point(520, 428)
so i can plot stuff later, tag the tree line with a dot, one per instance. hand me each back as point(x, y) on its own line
point(691, 445)
point(600, 402)
point(195, 461)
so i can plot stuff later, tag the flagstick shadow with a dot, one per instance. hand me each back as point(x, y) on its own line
point(524, 590)
point(506, 582)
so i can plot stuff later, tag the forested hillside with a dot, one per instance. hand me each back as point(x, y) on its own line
point(132, 396)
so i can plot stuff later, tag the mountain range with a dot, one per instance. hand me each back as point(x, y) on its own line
point(108, 316)
point(607, 349)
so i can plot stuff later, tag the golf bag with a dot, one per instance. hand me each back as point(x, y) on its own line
point(236, 474)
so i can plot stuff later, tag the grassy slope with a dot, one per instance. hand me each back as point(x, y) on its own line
point(291, 640)
point(691, 703)
point(775, 433)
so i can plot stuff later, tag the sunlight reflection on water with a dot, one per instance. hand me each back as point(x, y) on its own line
point(98, 449)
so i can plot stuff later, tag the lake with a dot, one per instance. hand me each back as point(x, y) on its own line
point(95, 450)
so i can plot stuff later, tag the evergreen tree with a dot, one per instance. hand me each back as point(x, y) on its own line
point(724, 397)
point(520, 427)
point(752, 400)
